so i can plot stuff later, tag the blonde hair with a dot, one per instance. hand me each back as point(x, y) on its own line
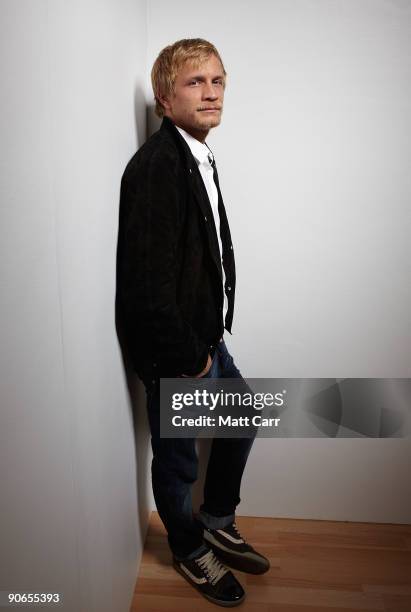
point(171, 59)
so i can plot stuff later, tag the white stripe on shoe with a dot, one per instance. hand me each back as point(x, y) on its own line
point(229, 537)
point(253, 556)
point(191, 576)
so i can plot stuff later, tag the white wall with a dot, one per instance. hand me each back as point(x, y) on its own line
point(316, 123)
point(73, 508)
point(316, 105)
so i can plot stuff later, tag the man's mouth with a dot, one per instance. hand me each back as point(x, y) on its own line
point(212, 109)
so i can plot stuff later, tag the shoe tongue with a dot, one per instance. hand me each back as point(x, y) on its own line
point(231, 529)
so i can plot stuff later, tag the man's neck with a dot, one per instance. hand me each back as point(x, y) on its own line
point(200, 135)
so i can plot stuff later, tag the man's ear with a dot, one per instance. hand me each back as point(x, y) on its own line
point(164, 102)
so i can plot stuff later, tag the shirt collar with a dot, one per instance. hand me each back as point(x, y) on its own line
point(200, 150)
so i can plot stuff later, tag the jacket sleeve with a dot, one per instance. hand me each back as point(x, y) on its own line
point(152, 217)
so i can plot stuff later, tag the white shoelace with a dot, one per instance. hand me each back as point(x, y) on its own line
point(212, 566)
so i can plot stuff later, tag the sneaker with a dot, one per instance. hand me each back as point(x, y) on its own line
point(209, 576)
point(232, 549)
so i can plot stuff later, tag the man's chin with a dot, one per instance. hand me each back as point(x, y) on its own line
point(210, 123)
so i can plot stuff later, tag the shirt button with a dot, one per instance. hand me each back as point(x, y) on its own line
point(205, 218)
point(228, 288)
point(231, 246)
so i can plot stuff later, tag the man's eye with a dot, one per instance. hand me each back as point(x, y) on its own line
point(195, 81)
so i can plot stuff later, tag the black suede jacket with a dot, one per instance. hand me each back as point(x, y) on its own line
point(169, 298)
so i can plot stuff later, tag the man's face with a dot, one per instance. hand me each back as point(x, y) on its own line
point(197, 90)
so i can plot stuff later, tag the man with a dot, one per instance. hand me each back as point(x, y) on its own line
point(175, 290)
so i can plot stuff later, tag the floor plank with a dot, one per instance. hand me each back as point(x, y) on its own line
point(316, 566)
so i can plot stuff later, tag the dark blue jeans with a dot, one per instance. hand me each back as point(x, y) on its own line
point(174, 470)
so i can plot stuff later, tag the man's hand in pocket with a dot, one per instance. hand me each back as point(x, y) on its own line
point(203, 372)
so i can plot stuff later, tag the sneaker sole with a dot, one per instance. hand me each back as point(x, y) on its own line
point(226, 604)
point(236, 560)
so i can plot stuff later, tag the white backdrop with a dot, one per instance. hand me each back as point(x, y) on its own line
point(316, 124)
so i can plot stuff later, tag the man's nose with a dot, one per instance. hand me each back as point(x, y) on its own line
point(210, 91)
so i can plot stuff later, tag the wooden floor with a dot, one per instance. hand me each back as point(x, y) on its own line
point(316, 566)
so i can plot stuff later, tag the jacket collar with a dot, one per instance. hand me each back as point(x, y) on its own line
point(200, 150)
point(197, 151)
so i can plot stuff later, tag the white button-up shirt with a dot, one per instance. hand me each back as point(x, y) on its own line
point(202, 156)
